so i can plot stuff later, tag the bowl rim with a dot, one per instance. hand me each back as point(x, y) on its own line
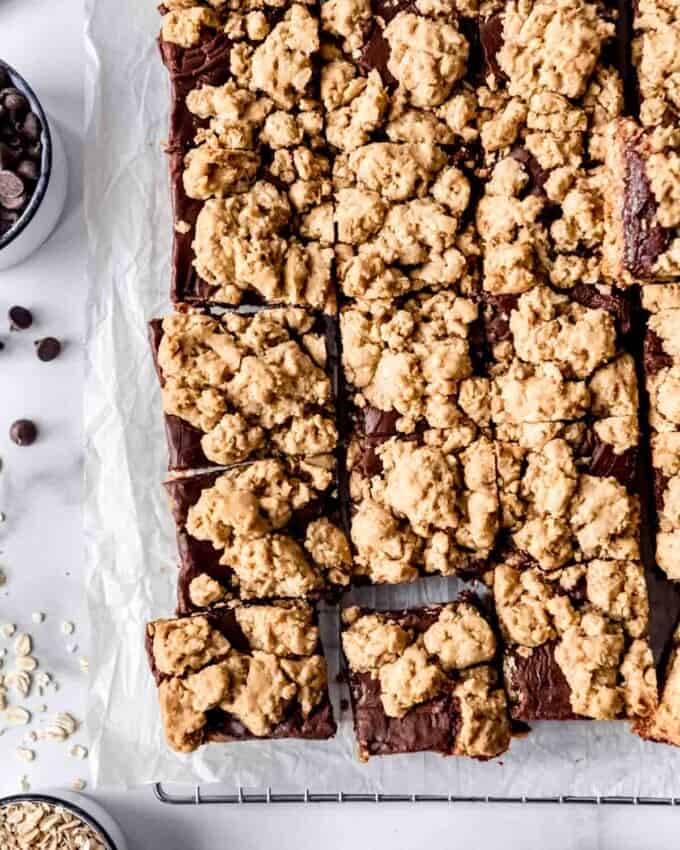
point(86, 817)
point(45, 165)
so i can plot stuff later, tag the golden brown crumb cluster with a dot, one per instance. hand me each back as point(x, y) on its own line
point(656, 55)
point(248, 383)
point(423, 506)
point(415, 359)
point(414, 663)
point(204, 680)
point(594, 618)
point(246, 515)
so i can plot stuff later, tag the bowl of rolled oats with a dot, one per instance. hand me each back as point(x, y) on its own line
point(65, 822)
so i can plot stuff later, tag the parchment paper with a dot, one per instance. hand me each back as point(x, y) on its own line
point(130, 546)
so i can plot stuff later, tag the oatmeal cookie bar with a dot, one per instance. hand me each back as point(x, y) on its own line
point(576, 640)
point(414, 363)
point(553, 81)
point(399, 118)
point(425, 679)
point(642, 240)
point(264, 530)
point(662, 376)
point(422, 504)
point(250, 176)
point(656, 56)
point(243, 672)
point(239, 386)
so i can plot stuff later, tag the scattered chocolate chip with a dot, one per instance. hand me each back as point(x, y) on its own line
point(23, 432)
point(28, 169)
point(48, 348)
point(32, 128)
point(20, 318)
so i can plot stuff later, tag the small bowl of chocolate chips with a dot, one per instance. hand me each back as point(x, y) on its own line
point(33, 171)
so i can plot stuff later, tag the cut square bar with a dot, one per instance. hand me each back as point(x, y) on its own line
point(262, 530)
point(241, 673)
point(424, 679)
point(239, 386)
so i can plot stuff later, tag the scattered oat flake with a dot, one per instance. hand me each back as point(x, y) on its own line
point(84, 664)
point(23, 645)
point(27, 663)
point(24, 754)
point(79, 785)
point(20, 682)
point(8, 629)
point(68, 627)
point(30, 738)
point(17, 716)
point(38, 617)
point(24, 784)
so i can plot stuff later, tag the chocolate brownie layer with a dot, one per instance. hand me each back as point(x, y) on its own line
point(239, 386)
point(244, 672)
point(264, 530)
point(425, 679)
point(643, 208)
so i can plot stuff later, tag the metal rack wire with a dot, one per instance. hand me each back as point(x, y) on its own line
point(241, 797)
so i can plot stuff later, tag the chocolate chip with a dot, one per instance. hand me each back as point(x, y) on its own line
point(32, 128)
point(14, 101)
point(28, 169)
point(48, 348)
point(20, 318)
point(23, 432)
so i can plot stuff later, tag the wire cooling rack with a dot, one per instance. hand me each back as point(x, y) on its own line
point(198, 798)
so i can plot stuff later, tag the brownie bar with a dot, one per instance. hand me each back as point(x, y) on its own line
point(421, 504)
point(424, 679)
point(244, 672)
point(656, 56)
point(414, 363)
point(263, 530)
point(662, 375)
point(399, 118)
point(553, 82)
point(250, 178)
point(576, 640)
point(643, 208)
point(664, 724)
point(239, 386)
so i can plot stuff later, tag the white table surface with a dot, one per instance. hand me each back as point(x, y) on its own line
point(41, 550)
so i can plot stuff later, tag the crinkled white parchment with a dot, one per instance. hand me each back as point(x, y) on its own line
point(130, 546)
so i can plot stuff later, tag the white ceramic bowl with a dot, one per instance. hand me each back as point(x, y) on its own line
point(84, 808)
point(41, 215)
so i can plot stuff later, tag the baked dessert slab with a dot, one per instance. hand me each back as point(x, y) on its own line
point(236, 386)
point(663, 726)
point(553, 80)
point(249, 172)
point(414, 363)
point(576, 640)
point(424, 679)
point(241, 673)
point(656, 48)
point(422, 504)
point(662, 376)
point(269, 529)
point(642, 220)
point(400, 122)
